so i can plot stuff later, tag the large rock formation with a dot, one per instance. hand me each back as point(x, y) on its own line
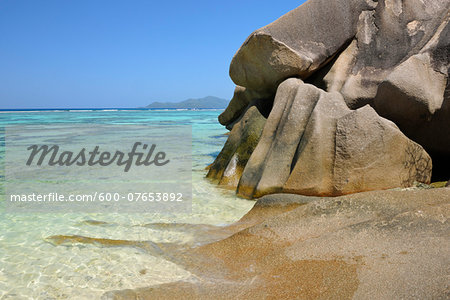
point(313, 144)
point(323, 64)
point(336, 97)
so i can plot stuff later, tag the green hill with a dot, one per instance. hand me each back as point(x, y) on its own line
point(206, 102)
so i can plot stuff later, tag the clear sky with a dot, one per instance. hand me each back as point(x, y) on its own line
point(108, 53)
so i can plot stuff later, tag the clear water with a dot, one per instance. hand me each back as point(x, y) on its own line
point(33, 268)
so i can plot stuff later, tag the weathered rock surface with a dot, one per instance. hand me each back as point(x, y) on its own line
point(270, 164)
point(297, 44)
point(313, 144)
point(376, 245)
point(241, 100)
point(398, 62)
point(412, 93)
point(371, 154)
point(392, 55)
point(229, 164)
point(386, 37)
point(416, 97)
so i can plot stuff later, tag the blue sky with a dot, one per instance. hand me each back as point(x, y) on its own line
point(107, 53)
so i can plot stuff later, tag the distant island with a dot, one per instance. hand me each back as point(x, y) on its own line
point(206, 102)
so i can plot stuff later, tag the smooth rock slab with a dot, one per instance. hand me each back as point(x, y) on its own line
point(376, 245)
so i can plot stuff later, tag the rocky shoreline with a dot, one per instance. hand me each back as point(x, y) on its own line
point(340, 108)
point(374, 245)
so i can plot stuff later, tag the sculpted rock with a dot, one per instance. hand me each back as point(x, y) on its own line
point(372, 153)
point(243, 138)
point(312, 172)
point(416, 97)
point(241, 99)
point(413, 97)
point(313, 144)
point(321, 137)
point(398, 63)
point(412, 93)
point(270, 164)
point(386, 37)
point(297, 44)
point(355, 151)
point(237, 106)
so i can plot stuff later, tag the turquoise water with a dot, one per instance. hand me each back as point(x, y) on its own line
point(34, 267)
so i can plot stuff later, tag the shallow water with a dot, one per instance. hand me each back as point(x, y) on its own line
point(32, 266)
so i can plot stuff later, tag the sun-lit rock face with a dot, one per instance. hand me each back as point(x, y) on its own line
point(313, 144)
point(297, 44)
point(358, 92)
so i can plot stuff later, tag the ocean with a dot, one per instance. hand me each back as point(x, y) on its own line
point(34, 267)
